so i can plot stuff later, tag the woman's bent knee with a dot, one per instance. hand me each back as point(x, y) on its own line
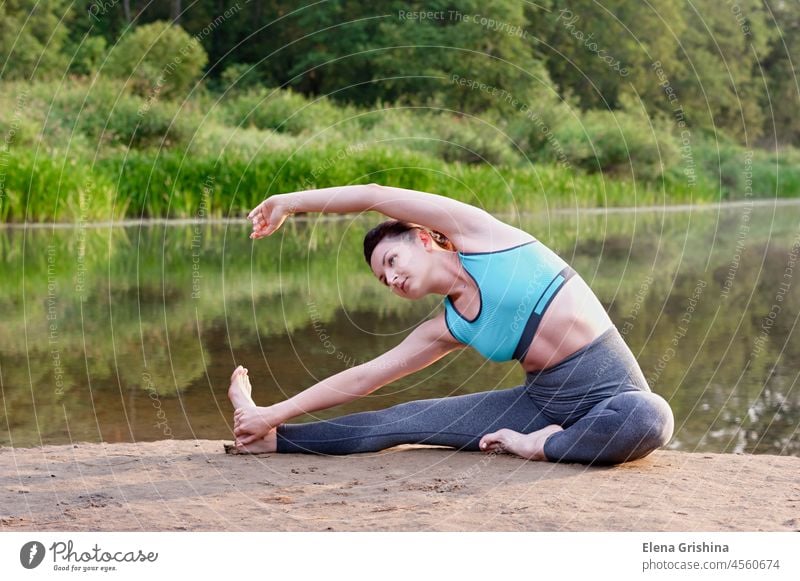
point(643, 424)
point(662, 420)
point(650, 425)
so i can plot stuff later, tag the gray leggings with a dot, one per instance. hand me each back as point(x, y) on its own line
point(598, 395)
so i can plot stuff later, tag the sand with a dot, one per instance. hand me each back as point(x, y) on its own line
point(190, 485)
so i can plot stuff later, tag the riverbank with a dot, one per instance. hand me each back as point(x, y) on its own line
point(192, 485)
point(318, 217)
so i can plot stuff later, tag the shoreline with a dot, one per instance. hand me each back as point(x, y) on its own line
point(192, 485)
point(777, 202)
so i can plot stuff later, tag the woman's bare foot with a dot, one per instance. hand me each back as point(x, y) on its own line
point(240, 389)
point(265, 445)
point(240, 395)
point(529, 446)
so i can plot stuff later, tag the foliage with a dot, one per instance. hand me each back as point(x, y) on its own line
point(157, 59)
point(284, 111)
point(779, 102)
point(586, 103)
point(110, 115)
point(32, 35)
point(618, 143)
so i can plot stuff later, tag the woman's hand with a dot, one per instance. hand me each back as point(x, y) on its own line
point(253, 423)
point(268, 216)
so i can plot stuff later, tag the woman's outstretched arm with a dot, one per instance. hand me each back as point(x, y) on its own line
point(429, 342)
point(456, 220)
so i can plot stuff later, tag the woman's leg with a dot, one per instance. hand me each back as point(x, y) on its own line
point(601, 399)
point(457, 421)
point(625, 427)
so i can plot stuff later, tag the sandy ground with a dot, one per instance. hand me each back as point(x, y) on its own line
point(193, 485)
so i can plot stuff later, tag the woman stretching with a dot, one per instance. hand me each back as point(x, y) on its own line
point(508, 296)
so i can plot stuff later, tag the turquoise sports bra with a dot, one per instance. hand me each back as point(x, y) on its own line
point(515, 285)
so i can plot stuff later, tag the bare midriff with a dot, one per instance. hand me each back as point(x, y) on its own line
point(574, 318)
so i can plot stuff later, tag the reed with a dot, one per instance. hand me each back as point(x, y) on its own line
point(92, 151)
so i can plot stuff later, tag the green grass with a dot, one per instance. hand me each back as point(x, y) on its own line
point(169, 184)
point(91, 151)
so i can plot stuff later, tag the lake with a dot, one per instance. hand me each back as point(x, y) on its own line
point(130, 333)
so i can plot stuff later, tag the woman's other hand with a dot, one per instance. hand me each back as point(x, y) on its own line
point(253, 423)
point(268, 216)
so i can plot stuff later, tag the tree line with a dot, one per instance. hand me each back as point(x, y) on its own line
point(724, 66)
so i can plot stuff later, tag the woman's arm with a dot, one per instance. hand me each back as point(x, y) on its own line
point(429, 342)
point(467, 226)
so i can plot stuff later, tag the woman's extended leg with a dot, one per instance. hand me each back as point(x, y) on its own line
point(457, 421)
point(624, 427)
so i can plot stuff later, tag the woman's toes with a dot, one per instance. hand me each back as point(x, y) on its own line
point(493, 440)
point(508, 441)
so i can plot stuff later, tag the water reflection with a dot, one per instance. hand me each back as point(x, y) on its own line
point(123, 334)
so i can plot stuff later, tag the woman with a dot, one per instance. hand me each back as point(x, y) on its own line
point(507, 295)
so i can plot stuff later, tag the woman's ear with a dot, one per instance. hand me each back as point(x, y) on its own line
point(425, 238)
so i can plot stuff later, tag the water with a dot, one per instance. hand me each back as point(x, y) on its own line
point(131, 334)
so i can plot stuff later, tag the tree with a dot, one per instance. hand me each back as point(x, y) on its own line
point(32, 34)
point(158, 58)
point(782, 65)
point(718, 80)
point(600, 52)
point(471, 56)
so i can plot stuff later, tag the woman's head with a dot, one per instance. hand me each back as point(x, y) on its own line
point(400, 255)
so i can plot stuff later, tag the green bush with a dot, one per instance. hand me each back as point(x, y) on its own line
point(105, 112)
point(450, 137)
point(532, 129)
point(32, 36)
point(473, 140)
point(157, 60)
point(753, 173)
point(618, 143)
point(239, 77)
point(87, 55)
point(281, 110)
point(18, 123)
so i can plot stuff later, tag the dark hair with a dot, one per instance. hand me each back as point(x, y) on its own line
point(394, 228)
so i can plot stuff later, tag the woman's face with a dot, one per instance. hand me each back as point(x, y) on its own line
point(404, 265)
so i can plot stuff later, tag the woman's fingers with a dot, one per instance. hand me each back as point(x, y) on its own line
point(247, 439)
point(261, 232)
point(268, 218)
point(256, 211)
point(260, 228)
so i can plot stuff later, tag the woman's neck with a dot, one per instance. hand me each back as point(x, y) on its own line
point(453, 279)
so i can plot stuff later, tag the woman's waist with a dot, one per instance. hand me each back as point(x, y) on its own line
point(573, 320)
point(605, 364)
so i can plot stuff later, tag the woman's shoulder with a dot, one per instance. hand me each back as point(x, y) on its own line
point(496, 237)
